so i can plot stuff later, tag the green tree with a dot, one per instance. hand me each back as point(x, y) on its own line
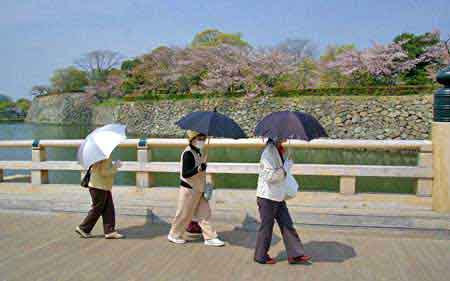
point(23, 104)
point(128, 65)
point(214, 37)
point(69, 79)
point(415, 46)
point(132, 84)
point(5, 102)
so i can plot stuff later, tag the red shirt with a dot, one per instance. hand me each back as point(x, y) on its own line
point(281, 150)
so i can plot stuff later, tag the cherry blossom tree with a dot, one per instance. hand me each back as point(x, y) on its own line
point(384, 63)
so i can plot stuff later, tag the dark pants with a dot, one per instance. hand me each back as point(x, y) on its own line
point(102, 205)
point(269, 211)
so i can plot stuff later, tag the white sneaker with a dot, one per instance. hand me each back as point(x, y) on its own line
point(114, 235)
point(175, 240)
point(82, 233)
point(216, 242)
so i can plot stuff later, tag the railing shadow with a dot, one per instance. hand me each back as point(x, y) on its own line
point(325, 251)
point(148, 230)
point(244, 235)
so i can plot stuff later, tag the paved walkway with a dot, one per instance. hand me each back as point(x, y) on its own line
point(235, 206)
point(43, 246)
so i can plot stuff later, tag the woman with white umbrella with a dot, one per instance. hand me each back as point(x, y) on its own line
point(95, 154)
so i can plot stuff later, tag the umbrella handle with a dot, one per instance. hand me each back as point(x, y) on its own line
point(206, 150)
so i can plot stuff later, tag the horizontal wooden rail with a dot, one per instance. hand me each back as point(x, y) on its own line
point(15, 165)
point(422, 145)
point(145, 168)
point(239, 168)
point(15, 143)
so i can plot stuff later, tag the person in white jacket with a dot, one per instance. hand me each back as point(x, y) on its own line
point(272, 206)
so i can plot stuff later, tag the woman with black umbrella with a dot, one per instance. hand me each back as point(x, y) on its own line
point(271, 194)
point(271, 205)
point(191, 202)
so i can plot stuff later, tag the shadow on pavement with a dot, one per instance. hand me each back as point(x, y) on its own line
point(148, 230)
point(241, 236)
point(245, 234)
point(325, 251)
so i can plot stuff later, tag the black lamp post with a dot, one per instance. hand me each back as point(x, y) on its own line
point(441, 104)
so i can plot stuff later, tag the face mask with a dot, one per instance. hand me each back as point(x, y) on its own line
point(199, 144)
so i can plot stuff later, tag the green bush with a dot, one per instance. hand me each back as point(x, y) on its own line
point(23, 104)
point(128, 65)
point(69, 79)
point(110, 102)
point(5, 104)
point(279, 91)
point(128, 86)
point(358, 91)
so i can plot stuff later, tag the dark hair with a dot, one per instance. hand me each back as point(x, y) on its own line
point(270, 141)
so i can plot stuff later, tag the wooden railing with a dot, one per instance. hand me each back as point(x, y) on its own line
point(145, 168)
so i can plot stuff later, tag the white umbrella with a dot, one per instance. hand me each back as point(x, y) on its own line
point(99, 144)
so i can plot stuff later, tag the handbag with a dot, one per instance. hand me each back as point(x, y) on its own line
point(207, 194)
point(290, 184)
point(86, 178)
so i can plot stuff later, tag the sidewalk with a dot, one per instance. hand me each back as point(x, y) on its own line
point(234, 206)
point(45, 247)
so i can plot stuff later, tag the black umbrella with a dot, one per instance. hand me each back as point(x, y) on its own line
point(211, 124)
point(290, 125)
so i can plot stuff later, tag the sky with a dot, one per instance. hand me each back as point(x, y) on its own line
point(38, 37)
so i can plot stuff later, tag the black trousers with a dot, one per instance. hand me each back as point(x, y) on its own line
point(102, 205)
point(269, 211)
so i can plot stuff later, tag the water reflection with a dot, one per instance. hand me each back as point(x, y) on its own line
point(9, 131)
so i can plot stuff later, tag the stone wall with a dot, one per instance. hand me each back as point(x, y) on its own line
point(70, 108)
point(359, 117)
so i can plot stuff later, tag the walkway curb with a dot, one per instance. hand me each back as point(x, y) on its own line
point(238, 207)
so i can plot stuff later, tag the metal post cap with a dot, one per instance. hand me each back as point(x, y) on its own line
point(142, 142)
point(443, 77)
point(441, 104)
point(35, 143)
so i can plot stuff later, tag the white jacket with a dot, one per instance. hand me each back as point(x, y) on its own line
point(271, 175)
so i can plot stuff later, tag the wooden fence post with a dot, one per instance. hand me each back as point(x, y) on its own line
point(424, 187)
point(38, 154)
point(347, 185)
point(144, 179)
